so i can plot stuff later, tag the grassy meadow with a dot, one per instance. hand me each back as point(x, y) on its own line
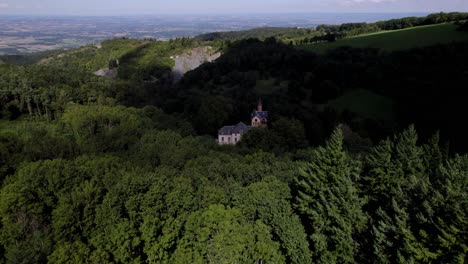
point(404, 39)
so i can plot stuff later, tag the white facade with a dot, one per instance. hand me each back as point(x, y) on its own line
point(232, 139)
point(257, 122)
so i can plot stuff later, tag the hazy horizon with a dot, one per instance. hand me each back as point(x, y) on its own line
point(212, 7)
point(59, 28)
point(209, 15)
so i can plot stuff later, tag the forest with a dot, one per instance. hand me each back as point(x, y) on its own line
point(330, 33)
point(364, 159)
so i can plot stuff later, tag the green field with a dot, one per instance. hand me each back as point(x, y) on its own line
point(366, 104)
point(397, 39)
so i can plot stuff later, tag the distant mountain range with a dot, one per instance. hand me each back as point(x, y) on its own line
point(26, 34)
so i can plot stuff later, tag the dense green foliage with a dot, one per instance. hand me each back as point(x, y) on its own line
point(125, 170)
point(137, 59)
point(318, 90)
point(331, 33)
point(329, 202)
point(163, 197)
point(28, 58)
point(286, 34)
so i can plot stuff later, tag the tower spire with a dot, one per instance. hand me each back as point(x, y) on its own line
point(260, 105)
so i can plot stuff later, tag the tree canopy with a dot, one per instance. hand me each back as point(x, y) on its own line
point(126, 170)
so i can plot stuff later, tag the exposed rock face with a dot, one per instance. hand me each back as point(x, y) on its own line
point(107, 73)
point(192, 60)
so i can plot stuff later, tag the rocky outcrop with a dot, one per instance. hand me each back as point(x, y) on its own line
point(107, 73)
point(192, 59)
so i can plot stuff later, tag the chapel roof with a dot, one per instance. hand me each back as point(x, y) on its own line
point(240, 128)
point(261, 115)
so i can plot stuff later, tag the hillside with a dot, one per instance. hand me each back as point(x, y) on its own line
point(29, 58)
point(330, 33)
point(366, 104)
point(133, 58)
point(259, 33)
point(138, 59)
point(192, 59)
point(363, 158)
point(408, 38)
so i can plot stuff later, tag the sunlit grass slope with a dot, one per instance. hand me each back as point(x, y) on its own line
point(397, 39)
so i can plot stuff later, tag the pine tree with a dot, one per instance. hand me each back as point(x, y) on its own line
point(415, 210)
point(328, 203)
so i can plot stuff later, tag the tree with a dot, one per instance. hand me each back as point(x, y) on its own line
point(74, 253)
point(327, 200)
point(168, 148)
point(263, 139)
point(212, 114)
point(414, 202)
point(268, 201)
point(291, 131)
point(223, 235)
point(113, 63)
point(103, 129)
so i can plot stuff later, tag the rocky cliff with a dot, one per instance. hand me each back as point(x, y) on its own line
point(192, 59)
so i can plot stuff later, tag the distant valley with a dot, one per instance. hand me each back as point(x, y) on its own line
point(23, 34)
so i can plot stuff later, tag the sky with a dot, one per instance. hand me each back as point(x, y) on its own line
point(134, 7)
